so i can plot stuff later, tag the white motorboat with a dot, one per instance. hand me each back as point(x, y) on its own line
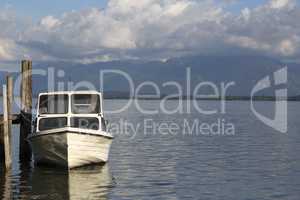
point(70, 129)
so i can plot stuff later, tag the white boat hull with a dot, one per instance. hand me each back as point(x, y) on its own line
point(70, 149)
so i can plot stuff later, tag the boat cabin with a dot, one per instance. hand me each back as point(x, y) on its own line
point(81, 109)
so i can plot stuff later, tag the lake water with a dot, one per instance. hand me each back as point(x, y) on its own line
point(253, 162)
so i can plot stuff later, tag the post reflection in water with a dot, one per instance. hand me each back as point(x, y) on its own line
point(5, 183)
point(91, 182)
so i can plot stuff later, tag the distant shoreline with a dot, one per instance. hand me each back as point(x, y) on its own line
point(227, 98)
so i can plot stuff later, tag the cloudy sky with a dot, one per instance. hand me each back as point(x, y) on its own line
point(98, 30)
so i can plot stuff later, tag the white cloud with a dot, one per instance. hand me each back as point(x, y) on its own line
point(286, 47)
point(156, 29)
point(246, 13)
point(9, 23)
point(49, 22)
point(125, 28)
point(270, 29)
point(278, 4)
point(5, 49)
point(248, 42)
point(177, 8)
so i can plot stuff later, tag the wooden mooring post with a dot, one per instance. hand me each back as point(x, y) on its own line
point(7, 120)
point(26, 110)
point(24, 118)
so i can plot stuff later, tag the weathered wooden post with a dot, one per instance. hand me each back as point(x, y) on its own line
point(7, 126)
point(10, 100)
point(26, 109)
point(1, 141)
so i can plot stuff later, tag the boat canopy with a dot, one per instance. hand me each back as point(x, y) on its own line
point(70, 109)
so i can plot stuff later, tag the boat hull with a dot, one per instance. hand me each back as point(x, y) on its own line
point(70, 149)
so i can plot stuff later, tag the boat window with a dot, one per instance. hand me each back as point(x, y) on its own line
point(53, 104)
point(85, 104)
point(52, 123)
point(85, 123)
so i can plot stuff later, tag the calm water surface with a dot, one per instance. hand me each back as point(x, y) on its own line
point(256, 162)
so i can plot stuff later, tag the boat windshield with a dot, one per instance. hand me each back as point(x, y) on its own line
point(85, 104)
point(85, 123)
point(53, 104)
point(52, 123)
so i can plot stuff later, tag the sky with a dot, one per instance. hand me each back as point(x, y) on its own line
point(37, 9)
point(100, 30)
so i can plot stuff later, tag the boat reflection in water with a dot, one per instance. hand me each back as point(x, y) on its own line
point(91, 182)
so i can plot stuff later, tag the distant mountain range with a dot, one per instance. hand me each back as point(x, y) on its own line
point(245, 71)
